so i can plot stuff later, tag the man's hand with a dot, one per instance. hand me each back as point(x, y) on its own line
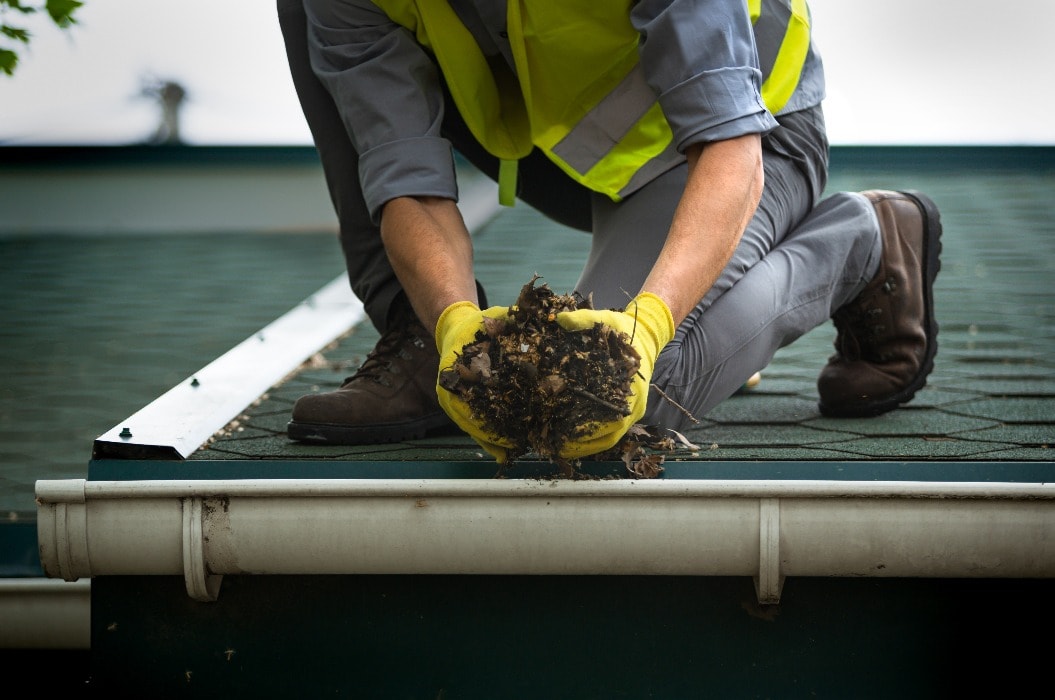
point(457, 327)
point(648, 323)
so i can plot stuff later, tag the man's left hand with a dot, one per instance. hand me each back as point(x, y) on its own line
point(647, 321)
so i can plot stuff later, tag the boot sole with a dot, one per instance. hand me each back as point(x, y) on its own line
point(931, 265)
point(330, 434)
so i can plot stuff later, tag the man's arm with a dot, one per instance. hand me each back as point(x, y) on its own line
point(431, 252)
point(700, 58)
point(721, 194)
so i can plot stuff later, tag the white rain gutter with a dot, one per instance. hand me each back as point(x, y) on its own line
point(767, 530)
point(42, 613)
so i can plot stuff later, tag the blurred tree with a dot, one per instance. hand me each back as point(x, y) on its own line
point(60, 12)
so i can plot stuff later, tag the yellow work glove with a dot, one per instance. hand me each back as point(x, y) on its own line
point(457, 327)
point(648, 322)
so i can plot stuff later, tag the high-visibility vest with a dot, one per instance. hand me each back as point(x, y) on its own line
point(597, 120)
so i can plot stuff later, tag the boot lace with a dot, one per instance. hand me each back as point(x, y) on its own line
point(861, 325)
point(384, 360)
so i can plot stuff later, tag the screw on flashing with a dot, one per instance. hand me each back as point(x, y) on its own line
point(194, 381)
point(126, 433)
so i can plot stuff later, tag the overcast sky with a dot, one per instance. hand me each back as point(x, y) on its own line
point(899, 72)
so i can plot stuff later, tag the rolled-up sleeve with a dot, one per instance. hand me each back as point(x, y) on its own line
point(699, 56)
point(388, 92)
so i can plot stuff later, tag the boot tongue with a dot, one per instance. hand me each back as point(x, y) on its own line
point(403, 327)
point(850, 347)
point(376, 364)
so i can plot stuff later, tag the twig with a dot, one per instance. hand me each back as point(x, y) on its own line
point(633, 332)
point(677, 405)
point(621, 410)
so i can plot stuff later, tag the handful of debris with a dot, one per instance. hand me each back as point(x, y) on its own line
point(539, 386)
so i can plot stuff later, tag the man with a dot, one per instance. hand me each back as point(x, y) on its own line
point(686, 135)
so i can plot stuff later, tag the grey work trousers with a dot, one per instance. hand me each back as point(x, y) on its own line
point(800, 258)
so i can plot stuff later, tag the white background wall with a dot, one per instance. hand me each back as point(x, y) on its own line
point(899, 72)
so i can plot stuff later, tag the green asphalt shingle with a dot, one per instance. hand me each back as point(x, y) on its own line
point(991, 396)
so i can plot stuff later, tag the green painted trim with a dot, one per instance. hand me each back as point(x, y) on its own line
point(941, 158)
point(936, 471)
point(482, 637)
point(843, 158)
point(138, 156)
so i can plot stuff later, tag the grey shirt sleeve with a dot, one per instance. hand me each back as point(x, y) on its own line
point(389, 95)
point(699, 56)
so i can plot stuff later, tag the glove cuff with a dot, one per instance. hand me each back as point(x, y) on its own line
point(448, 317)
point(655, 314)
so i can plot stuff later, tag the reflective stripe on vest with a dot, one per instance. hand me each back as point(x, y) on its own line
point(782, 35)
point(601, 124)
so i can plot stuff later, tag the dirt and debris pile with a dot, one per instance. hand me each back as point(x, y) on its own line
point(540, 386)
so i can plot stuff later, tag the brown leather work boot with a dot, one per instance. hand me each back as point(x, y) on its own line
point(391, 397)
point(887, 337)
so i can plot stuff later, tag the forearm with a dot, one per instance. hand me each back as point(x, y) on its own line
point(721, 194)
point(431, 252)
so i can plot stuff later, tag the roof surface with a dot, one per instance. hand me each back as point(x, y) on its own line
point(987, 412)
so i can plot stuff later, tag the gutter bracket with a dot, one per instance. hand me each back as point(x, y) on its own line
point(201, 586)
point(68, 536)
point(770, 581)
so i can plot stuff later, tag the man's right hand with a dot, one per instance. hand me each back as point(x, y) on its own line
point(456, 328)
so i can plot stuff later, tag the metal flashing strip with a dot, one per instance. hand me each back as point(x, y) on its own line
point(177, 423)
point(184, 417)
point(766, 530)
